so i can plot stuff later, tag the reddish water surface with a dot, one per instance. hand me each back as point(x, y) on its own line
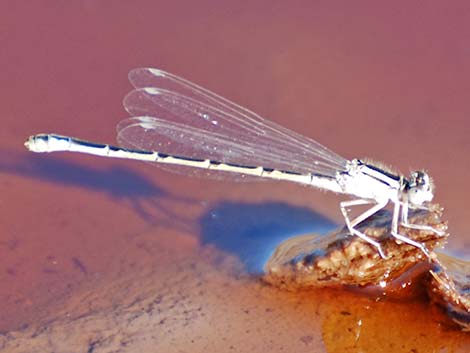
point(102, 254)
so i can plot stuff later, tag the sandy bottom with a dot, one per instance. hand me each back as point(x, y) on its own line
point(171, 300)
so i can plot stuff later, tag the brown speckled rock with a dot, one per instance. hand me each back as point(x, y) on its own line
point(339, 259)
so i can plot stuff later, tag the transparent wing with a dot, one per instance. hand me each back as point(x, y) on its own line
point(175, 116)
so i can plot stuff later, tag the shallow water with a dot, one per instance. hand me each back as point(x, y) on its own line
point(166, 299)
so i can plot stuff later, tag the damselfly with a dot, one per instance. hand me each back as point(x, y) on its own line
point(178, 124)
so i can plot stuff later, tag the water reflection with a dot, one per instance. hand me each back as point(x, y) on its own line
point(249, 231)
point(253, 231)
point(145, 197)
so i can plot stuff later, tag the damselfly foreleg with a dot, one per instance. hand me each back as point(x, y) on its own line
point(394, 231)
point(404, 220)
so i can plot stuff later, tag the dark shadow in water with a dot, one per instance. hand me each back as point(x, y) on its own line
point(248, 231)
point(120, 183)
point(253, 231)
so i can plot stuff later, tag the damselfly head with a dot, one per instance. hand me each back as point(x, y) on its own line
point(420, 188)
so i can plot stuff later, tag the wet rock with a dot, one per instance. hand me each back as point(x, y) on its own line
point(339, 259)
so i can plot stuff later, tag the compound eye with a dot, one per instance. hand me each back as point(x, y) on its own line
point(419, 179)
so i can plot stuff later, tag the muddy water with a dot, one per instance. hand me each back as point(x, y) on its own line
point(98, 254)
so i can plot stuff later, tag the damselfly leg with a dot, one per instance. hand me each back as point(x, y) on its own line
point(352, 224)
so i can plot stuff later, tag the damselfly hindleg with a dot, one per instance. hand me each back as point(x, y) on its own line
point(352, 224)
